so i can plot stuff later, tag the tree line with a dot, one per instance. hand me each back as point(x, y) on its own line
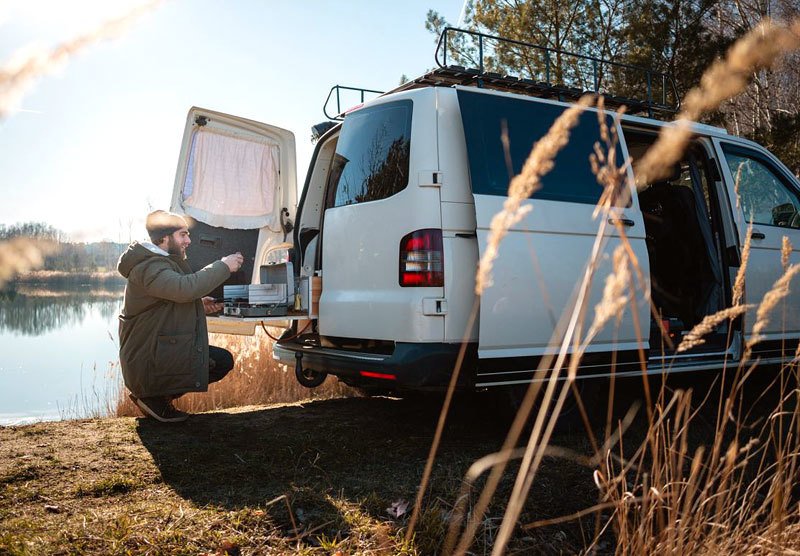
point(678, 37)
point(65, 255)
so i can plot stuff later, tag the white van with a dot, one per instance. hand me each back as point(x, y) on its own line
point(394, 215)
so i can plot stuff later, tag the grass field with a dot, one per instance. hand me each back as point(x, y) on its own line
point(327, 477)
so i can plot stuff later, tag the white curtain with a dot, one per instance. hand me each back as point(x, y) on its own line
point(231, 182)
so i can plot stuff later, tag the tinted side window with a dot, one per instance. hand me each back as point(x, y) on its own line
point(764, 194)
point(371, 159)
point(484, 117)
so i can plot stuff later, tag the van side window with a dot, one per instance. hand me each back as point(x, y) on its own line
point(765, 195)
point(372, 155)
point(485, 116)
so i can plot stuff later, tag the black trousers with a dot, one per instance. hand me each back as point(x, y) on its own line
point(220, 362)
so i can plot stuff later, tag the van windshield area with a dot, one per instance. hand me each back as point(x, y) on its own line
point(372, 155)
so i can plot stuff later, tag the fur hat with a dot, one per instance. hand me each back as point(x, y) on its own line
point(160, 224)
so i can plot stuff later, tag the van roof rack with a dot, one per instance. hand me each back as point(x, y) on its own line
point(537, 71)
point(350, 93)
point(514, 66)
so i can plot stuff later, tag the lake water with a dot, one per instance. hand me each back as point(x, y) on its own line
point(58, 353)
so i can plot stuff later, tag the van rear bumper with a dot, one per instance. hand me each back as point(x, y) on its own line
point(416, 366)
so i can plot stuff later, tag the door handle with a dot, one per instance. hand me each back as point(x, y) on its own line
point(624, 221)
point(757, 235)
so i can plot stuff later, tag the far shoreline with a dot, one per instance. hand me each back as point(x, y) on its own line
point(52, 278)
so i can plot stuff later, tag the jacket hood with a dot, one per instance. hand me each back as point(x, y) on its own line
point(135, 254)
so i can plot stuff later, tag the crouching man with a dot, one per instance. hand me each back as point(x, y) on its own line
point(163, 337)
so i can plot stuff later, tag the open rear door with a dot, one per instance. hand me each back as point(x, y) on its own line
point(543, 260)
point(237, 180)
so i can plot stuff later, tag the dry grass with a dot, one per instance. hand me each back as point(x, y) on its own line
point(256, 379)
point(736, 495)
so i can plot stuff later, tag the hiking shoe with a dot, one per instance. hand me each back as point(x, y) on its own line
point(160, 408)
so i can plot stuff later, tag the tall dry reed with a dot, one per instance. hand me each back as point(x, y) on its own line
point(256, 379)
point(25, 67)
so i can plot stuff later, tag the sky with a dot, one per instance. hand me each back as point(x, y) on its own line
point(93, 145)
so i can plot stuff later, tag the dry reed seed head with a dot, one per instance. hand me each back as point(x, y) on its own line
point(615, 292)
point(611, 177)
point(501, 223)
point(738, 284)
point(523, 185)
point(662, 156)
point(725, 79)
point(695, 337)
point(758, 49)
point(771, 299)
point(786, 252)
point(20, 73)
point(20, 255)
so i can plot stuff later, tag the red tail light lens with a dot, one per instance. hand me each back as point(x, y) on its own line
point(421, 259)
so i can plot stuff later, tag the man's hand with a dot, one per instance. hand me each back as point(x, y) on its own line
point(234, 261)
point(210, 306)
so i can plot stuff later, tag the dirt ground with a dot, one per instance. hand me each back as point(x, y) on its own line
point(125, 485)
point(325, 477)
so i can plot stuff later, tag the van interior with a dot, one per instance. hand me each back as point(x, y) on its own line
point(682, 217)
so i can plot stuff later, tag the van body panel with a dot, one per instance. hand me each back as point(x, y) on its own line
point(458, 221)
point(764, 267)
point(534, 284)
point(361, 293)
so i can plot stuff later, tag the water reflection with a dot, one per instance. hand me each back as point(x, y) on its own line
point(33, 311)
point(60, 352)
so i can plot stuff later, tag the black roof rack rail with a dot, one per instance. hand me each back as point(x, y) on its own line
point(546, 72)
point(533, 70)
point(339, 114)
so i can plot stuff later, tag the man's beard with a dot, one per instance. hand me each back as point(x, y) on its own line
point(174, 249)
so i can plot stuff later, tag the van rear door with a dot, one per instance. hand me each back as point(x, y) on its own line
point(381, 233)
point(237, 180)
point(543, 259)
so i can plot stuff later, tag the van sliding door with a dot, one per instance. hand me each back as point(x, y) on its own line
point(543, 262)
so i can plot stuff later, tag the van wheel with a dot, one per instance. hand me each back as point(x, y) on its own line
point(309, 377)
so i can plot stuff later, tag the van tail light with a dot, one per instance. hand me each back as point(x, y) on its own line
point(422, 259)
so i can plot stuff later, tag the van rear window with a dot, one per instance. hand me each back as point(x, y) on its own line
point(484, 117)
point(372, 155)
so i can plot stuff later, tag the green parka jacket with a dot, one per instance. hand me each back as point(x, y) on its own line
point(163, 336)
